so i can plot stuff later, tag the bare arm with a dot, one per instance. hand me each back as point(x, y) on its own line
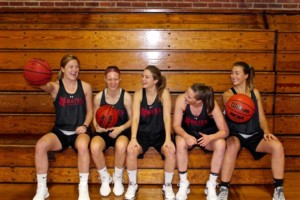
point(136, 106)
point(220, 122)
point(166, 101)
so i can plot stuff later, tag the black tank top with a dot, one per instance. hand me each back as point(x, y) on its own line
point(123, 116)
point(194, 124)
point(151, 117)
point(70, 109)
point(248, 128)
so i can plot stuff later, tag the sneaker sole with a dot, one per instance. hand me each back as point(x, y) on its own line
point(133, 198)
point(188, 191)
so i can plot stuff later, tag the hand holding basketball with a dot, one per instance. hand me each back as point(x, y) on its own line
point(37, 72)
point(240, 108)
point(107, 116)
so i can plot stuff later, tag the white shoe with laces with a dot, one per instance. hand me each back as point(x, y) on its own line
point(168, 191)
point(41, 192)
point(223, 193)
point(131, 191)
point(105, 185)
point(118, 185)
point(183, 190)
point(83, 192)
point(210, 190)
point(278, 194)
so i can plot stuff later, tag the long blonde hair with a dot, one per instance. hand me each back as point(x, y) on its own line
point(63, 63)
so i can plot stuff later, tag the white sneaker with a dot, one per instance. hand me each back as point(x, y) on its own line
point(83, 192)
point(41, 192)
point(223, 193)
point(131, 191)
point(168, 191)
point(118, 185)
point(105, 188)
point(210, 191)
point(183, 191)
point(278, 194)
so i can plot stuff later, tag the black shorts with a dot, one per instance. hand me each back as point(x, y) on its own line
point(146, 141)
point(109, 141)
point(66, 140)
point(251, 144)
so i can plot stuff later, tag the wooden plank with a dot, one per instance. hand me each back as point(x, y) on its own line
point(288, 62)
point(14, 81)
point(10, 157)
point(137, 60)
point(41, 103)
point(146, 39)
point(145, 176)
point(288, 83)
point(287, 124)
point(284, 22)
point(288, 41)
point(287, 104)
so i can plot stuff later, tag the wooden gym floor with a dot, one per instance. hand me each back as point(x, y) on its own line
point(10, 191)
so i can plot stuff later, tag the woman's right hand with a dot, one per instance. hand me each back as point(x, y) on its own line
point(100, 129)
point(133, 144)
point(190, 140)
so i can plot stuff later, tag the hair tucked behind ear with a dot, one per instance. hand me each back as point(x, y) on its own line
point(204, 93)
point(161, 80)
point(248, 69)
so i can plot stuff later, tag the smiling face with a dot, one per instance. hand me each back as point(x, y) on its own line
point(238, 77)
point(147, 79)
point(71, 69)
point(189, 97)
point(112, 80)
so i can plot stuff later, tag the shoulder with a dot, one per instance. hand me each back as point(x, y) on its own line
point(138, 94)
point(127, 96)
point(86, 86)
point(257, 93)
point(227, 94)
point(99, 95)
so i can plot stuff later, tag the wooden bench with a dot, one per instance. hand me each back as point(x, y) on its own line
point(187, 47)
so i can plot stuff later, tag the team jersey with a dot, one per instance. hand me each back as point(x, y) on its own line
point(203, 123)
point(248, 128)
point(119, 106)
point(70, 109)
point(151, 117)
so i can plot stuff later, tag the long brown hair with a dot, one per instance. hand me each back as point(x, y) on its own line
point(161, 80)
point(63, 63)
point(249, 70)
point(204, 93)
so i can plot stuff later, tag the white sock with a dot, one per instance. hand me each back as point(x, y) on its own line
point(83, 177)
point(103, 172)
point(118, 172)
point(168, 177)
point(42, 179)
point(132, 175)
point(183, 177)
point(213, 177)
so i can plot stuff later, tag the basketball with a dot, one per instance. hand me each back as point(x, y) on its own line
point(37, 72)
point(240, 108)
point(107, 116)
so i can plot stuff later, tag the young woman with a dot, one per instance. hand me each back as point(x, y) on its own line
point(254, 135)
point(116, 136)
point(74, 113)
point(198, 121)
point(151, 126)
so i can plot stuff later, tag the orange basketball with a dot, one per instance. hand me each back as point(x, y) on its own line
point(37, 72)
point(107, 116)
point(240, 108)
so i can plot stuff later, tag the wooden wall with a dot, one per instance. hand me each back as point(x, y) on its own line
point(187, 47)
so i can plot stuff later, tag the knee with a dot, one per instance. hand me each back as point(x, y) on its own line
point(220, 145)
point(95, 148)
point(82, 146)
point(278, 148)
point(120, 147)
point(181, 146)
point(232, 147)
point(41, 146)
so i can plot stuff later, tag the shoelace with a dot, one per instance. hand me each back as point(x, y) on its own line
point(279, 193)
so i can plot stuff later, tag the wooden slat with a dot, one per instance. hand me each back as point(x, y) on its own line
point(146, 39)
point(287, 124)
point(284, 22)
point(288, 41)
point(145, 176)
point(287, 104)
point(39, 103)
point(288, 62)
point(137, 60)
point(220, 81)
point(288, 83)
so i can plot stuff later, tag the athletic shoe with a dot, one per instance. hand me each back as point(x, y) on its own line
point(105, 188)
point(210, 190)
point(131, 191)
point(168, 191)
point(41, 192)
point(183, 190)
point(223, 193)
point(278, 194)
point(83, 192)
point(118, 185)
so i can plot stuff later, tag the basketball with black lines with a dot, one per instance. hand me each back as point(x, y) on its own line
point(107, 116)
point(37, 72)
point(240, 108)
